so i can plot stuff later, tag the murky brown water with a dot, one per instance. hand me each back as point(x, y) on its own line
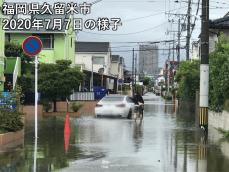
point(164, 141)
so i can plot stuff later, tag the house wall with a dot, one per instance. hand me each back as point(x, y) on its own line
point(85, 59)
point(213, 39)
point(2, 46)
point(10, 65)
point(115, 68)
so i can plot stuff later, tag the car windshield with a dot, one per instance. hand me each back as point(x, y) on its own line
point(112, 99)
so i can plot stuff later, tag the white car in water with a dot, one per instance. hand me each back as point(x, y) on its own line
point(115, 106)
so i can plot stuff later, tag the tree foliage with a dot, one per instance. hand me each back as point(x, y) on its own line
point(219, 75)
point(57, 81)
point(188, 78)
point(146, 81)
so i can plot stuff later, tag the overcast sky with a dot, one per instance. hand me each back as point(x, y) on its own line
point(146, 17)
point(155, 18)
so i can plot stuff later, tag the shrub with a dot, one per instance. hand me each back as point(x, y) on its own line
point(10, 117)
point(10, 121)
point(76, 106)
point(219, 75)
point(188, 78)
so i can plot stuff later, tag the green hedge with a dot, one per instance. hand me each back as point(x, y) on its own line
point(219, 75)
point(188, 76)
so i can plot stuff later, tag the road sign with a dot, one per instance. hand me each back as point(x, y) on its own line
point(32, 46)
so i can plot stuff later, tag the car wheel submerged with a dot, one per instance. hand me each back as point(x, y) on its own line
point(129, 114)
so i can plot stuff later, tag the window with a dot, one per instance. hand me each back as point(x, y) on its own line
point(7, 37)
point(47, 40)
point(98, 60)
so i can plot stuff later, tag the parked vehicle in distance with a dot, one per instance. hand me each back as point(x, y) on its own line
point(115, 106)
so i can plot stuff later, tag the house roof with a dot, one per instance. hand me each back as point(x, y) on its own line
point(222, 23)
point(43, 30)
point(92, 47)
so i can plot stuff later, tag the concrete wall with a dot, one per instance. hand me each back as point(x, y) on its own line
point(219, 120)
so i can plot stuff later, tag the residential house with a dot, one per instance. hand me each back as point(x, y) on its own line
point(96, 57)
point(216, 27)
point(117, 67)
point(2, 45)
point(58, 44)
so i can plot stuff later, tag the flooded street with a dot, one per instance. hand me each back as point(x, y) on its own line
point(164, 141)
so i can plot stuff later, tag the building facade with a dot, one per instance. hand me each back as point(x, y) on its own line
point(216, 27)
point(117, 67)
point(57, 44)
point(95, 57)
point(148, 60)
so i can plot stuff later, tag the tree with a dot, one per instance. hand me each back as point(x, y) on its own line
point(57, 81)
point(219, 75)
point(188, 78)
point(146, 81)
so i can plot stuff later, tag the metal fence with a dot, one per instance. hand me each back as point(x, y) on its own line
point(82, 96)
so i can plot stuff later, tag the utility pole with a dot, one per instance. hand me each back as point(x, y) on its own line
point(133, 73)
point(178, 46)
point(173, 46)
point(188, 29)
point(204, 66)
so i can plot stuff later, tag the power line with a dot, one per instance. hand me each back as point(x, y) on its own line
point(151, 15)
point(157, 42)
point(164, 49)
point(131, 33)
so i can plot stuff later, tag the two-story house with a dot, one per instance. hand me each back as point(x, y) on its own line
point(216, 27)
point(58, 44)
point(94, 58)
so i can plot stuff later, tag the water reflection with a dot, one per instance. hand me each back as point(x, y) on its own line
point(35, 156)
point(164, 141)
point(138, 135)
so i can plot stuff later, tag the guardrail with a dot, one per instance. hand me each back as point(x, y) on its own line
point(82, 96)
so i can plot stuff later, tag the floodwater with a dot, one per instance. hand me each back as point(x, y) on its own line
point(166, 141)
